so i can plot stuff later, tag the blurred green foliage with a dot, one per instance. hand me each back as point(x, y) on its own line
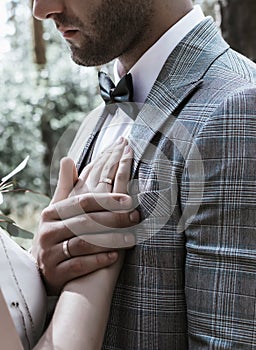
point(37, 104)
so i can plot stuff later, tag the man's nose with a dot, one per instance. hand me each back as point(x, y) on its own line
point(43, 9)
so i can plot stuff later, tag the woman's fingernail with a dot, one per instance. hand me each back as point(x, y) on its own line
point(120, 140)
point(127, 149)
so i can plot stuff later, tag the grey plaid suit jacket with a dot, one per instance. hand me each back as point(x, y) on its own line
point(190, 283)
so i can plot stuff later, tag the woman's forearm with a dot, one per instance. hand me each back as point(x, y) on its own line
point(80, 318)
point(81, 314)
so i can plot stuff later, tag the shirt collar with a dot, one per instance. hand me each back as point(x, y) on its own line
point(147, 68)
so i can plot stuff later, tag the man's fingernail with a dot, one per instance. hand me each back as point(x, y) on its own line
point(125, 200)
point(112, 255)
point(129, 240)
point(134, 216)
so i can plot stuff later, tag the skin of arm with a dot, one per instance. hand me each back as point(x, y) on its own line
point(81, 314)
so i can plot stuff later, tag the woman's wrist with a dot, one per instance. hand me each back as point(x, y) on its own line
point(103, 279)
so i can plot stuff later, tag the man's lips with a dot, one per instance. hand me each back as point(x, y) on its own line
point(68, 33)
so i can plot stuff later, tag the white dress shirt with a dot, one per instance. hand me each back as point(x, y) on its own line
point(144, 74)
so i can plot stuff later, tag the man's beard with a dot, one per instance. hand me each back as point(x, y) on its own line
point(114, 30)
point(91, 53)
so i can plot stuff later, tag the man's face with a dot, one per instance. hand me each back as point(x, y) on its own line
point(98, 31)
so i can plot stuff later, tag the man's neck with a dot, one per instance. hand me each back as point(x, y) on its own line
point(166, 15)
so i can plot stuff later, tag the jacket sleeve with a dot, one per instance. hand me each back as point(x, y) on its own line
point(220, 273)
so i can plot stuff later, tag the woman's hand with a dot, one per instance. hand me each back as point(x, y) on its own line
point(110, 172)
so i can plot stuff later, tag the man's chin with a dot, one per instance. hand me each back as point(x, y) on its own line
point(79, 59)
point(88, 60)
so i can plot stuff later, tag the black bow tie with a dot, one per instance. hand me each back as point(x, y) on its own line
point(118, 96)
point(110, 93)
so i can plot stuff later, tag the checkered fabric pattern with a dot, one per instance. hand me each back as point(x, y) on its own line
point(190, 282)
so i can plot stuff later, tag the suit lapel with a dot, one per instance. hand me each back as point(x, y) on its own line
point(182, 73)
point(152, 119)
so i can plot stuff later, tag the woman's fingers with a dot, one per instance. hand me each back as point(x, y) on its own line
point(67, 178)
point(81, 186)
point(56, 277)
point(112, 163)
point(123, 171)
point(102, 174)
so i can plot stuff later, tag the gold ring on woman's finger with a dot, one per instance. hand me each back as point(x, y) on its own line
point(106, 180)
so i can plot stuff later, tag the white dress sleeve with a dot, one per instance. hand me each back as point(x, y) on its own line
point(23, 290)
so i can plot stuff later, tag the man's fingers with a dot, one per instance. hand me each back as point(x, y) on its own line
point(96, 243)
point(68, 270)
point(93, 224)
point(82, 246)
point(115, 241)
point(67, 178)
point(84, 265)
point(87, 203)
